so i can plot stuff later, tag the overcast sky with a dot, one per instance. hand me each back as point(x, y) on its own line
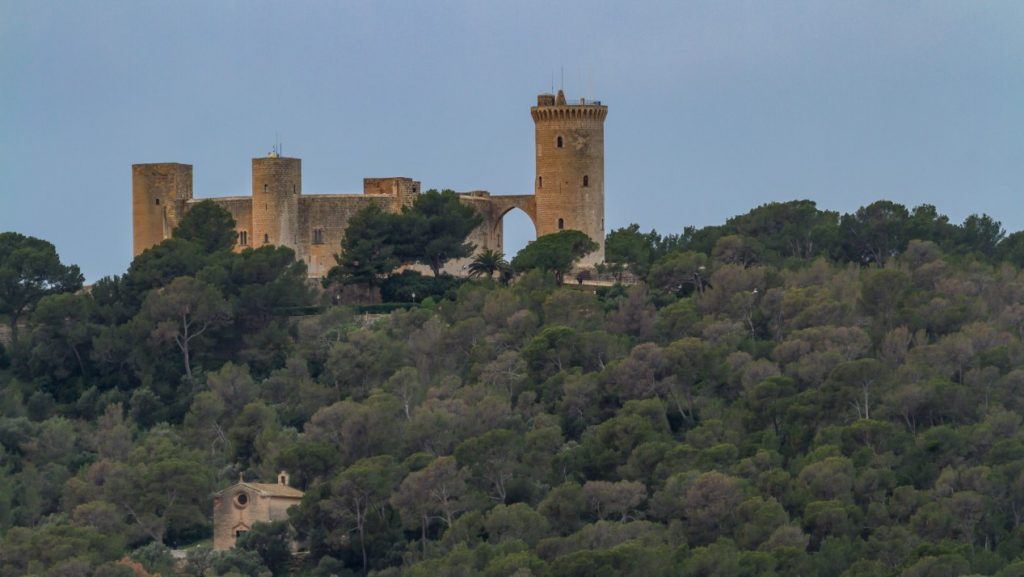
point(714, 107)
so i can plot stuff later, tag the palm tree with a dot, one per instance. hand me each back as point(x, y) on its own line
point(487, 263)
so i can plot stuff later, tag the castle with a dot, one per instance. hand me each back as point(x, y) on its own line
point(568, 194)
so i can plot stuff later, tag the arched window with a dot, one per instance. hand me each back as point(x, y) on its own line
point(266, 238)
point(561, 224)
point(243, 238)
point(265, 188)
point(558, 142)
point(158, 202)
point(318, 236)
point(540, 184)
point(586, 181)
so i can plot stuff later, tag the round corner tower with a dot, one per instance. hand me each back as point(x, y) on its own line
point(569, 185)
point(276, 186)
point(159, 194)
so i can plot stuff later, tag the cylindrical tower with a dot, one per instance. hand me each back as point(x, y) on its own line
point(159, 194)
point(569, 185)
point(276, 186)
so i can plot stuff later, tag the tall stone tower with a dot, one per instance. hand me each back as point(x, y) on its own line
point(276, 186)
point(569, 186)
point(159, 194)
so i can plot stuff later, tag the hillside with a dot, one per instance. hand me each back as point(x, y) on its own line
point(794, 393)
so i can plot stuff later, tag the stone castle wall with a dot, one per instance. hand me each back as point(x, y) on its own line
point(568, 195)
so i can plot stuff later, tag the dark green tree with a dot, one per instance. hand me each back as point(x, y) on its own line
point(1011, 248)
point(629, 248)
point(554, 253)
point(361, 493)
point(209, 226)
point(790, 229)
point(875, 233)
point(272, 542)
point(487, 263)
point(29, 270)
point(182, 313)
point(981, 235)
point(434, 230)
point(367, 250)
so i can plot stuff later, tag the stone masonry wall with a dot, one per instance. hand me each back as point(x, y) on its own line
point(276, 187)
point(240, 208)
point(569, 181)
point(230, 516)
point(329, 213)
point(159, 194)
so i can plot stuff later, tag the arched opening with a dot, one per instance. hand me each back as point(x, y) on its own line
point(517, 232)
point(561, 224)
point(558, 142)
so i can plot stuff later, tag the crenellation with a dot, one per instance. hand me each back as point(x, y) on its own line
point(568, 194)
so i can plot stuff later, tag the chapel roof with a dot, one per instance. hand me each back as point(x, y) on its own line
point(269, 489)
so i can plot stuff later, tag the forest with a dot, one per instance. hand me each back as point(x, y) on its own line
point(794, 392)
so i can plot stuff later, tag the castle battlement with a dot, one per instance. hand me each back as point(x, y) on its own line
point(568, 194)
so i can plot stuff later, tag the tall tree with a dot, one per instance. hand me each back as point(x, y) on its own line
point(362, 490)
point(61, 336)
point(555, 253)
point(182, 312)
point(367, 250)
point(874, 233)
point(434, 492)
point(790, 229)
point(628, 247)
point(435, 228)
point(29, 270)
point(209, 226)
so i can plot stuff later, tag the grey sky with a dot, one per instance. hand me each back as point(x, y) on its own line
point(714, 107)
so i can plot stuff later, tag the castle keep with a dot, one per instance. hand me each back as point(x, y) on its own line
point(568, 194)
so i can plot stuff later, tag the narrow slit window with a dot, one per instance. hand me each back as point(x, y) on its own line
point(586, 181)
point(558, 142)
point(266, 238)
point(540, 184)
point(561, 224)
point(243, 238)
point(265, 188)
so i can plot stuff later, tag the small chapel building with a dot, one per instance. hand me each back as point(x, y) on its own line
point(236, 508)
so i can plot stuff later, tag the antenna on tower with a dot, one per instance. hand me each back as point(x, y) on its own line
point(552, 81)
point(590, 82)
point(561, 85)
